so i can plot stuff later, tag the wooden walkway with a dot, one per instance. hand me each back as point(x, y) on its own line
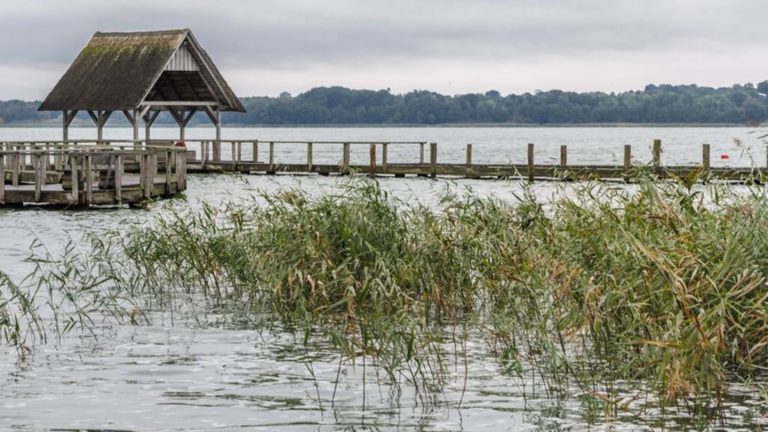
point(83, 174)
point(428, 165)
point(114, 173)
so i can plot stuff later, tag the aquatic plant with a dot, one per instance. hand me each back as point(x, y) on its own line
point(19, 320)
point(662, 285)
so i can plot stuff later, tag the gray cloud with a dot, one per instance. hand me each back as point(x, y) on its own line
point(345, 41)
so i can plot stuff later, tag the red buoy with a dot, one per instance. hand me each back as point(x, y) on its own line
point(181, 144)
point(725, 156)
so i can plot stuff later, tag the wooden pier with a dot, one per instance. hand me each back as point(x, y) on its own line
point(84, 174)
point(259, 156)
point(113, 173)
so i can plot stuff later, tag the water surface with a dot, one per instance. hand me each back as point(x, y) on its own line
point(176, 375)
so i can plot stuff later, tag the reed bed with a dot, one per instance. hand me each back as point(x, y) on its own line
point(663, 285)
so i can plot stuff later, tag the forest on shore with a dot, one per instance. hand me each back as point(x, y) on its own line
point(655, 104)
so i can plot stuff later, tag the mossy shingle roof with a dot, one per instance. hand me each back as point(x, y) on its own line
point(116, 71)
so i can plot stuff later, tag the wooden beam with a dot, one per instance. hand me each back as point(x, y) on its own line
point(131, 117)
point(67, 118)
point(144, 110)
point(150, 117)
point(149, 120)
point(94, 117)
point(69, 115)
point(211, 113)
point(191, 113)
point(181, 104)
point(177, 115)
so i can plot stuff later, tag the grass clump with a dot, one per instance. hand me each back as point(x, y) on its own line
point(660, 285)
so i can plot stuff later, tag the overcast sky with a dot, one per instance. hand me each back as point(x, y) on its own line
point(514, 46)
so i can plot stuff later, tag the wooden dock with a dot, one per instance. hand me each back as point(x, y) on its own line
point(260, 157)
point(114, 173)
point(84, 174)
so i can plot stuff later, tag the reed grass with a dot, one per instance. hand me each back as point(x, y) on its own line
point(664, 284)
point(19, 320)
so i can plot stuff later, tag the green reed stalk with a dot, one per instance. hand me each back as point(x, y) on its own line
point(661, 285)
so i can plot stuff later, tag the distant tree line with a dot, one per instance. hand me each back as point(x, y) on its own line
point(739, 104)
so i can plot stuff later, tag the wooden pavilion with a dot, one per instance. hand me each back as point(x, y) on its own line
point(142, 74)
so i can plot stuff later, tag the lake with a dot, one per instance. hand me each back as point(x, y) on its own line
point(176, 375)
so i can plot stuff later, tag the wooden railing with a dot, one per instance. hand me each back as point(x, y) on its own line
point(87, 173)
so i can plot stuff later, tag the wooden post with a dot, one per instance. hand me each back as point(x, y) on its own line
point(46, 162)
point(142, 170)
point(705, 157)
point(65, 126)
point(468, 162)
point(234, 156)
point(271, 155)
point(147, 135)
point(345, 157)
point(433, 159)
point(67, 116)
point(204, 153)
point(75, 167)
point(57, 159)
point(88, 179)
point(15, 168)
point(2, 177)
point(256, 151)
point(181, 172)
point(309, 157)
point(656, 153)
point(37, 161)
point(135, 124)
point(563, 156)
point(217, 143)
point(421, 153)
point(168, 166)
point(147, 176)
point(372, 153)
point(119, 178)
point(384, 162)
point(530, 162)
point(627, 158)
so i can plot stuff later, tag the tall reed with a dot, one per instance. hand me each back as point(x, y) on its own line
point(19, 320)
point(663, 284)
